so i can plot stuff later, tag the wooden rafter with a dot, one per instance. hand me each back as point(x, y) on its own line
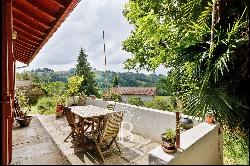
point(39, 10)
point(28, 27)
point(23, 31)
point(31, 18)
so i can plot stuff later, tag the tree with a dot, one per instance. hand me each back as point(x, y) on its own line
point(115, 81)
point(83, 69)
point(210, 63)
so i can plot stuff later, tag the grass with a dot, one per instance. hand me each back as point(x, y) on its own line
point(235, 149)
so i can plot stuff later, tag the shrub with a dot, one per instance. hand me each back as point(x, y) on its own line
point(34, 94)
point(161, 103)
point(30, 95)
point(46, 105)
point(112, 96)
point(135, 101)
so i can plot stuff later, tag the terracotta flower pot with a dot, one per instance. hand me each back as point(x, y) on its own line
point(209, 119)
point(59, 110)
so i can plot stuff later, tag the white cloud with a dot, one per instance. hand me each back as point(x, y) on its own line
point(83, 28)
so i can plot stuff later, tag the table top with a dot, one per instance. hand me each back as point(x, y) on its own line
point(90, 111)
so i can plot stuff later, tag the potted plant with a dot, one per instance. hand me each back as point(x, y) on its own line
point(24, 119)
point(168, 141)
point(60, 100)
point(74, 84)
point(209, 118)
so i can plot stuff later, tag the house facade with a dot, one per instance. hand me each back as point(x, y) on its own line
point(145, 93)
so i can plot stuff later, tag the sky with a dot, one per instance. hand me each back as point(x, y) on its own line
point(83, 28)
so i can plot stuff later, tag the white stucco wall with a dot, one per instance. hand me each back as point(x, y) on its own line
point(144, 121)
point(143, 97)
point(23, 83)
point(201, 145)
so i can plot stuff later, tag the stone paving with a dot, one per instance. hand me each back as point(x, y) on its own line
point(33, 145)
point(134, 152)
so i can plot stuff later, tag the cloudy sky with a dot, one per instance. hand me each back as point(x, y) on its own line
point(83, 28)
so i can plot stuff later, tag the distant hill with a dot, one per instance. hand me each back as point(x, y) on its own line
point(127, 79)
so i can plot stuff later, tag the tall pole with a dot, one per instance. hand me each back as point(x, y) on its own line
point(212, 25)
point(105, 63)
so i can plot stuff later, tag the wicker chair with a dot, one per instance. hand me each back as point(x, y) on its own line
point(107, 135)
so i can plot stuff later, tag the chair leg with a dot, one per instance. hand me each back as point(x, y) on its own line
point(68, 136)
point(110, 143)
point(99, 151)
point(117, 146)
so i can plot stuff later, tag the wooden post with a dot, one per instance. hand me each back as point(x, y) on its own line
point(177, 129)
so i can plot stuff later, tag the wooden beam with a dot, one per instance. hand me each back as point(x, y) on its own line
point(33, 36)
point(22, 46)
point(21, 37)
point(58, 3)
point(28, 27)
point(39, 10)
point(24, 43)
point(45, 26)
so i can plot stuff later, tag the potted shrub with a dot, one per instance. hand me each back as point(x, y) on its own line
point(24, 119)
point(209, 118)
point(60, 100)
point(168, 141)
point(74, 84)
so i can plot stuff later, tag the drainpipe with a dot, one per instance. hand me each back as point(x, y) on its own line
point(22, 66)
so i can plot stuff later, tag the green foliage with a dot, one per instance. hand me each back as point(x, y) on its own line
point(34, 95)
point(53, 88)
point(169, 135)
point(135, 101)
point(23, 76)
point(110, 95)
point(115, 81)
point(235, 148)
point(160, 103)
point(27, 96)
point(74, 84)
point(83, 69)
point(209, 74)
point(46, 105)
point(127, 79)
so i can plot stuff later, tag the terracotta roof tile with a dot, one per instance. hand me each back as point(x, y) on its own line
point(149, 91)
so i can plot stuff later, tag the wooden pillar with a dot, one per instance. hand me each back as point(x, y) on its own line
point(177, 129)
point(7, 75)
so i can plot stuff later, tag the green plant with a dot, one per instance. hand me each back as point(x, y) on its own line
point(46, 105)
point(135, 101)
point(161, 103)
point(112, 96)
point(74, 84)
point(169, 135)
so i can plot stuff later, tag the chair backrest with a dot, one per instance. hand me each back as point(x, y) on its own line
point(70, 117)
point(112, 124)
point(111, 107)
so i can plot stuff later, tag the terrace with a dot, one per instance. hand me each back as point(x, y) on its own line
point(26, 27)
point(139, 139)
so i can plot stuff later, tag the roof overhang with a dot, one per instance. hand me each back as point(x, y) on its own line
point(34, 22)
